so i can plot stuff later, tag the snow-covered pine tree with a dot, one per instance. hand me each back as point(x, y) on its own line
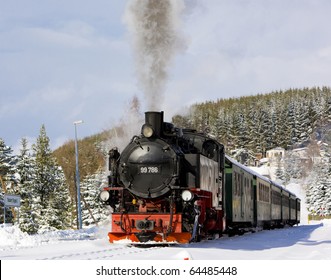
point(221, 127)
point(252, 119)
point(283, 133)
point(49, 181)
point(262, 129)
point(293, 166)
point(7, 162)
point(26, 175)
point(315, 193)
point(7, 171)
point(240, 130)
point(318, 194)
point(60, 201)
point(93, 210)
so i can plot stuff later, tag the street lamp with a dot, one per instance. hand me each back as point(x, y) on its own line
point(79, 210)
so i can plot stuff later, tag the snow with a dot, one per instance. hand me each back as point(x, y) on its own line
point(307, 242)
point(11, 237)
point(304, 242)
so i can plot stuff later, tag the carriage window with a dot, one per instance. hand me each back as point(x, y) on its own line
point(238, 182)
point(276, 198)
point(264, 193)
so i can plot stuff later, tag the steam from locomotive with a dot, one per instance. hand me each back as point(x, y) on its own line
point(154, 28)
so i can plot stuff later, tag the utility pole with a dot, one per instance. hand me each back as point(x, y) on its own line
point(79, 210)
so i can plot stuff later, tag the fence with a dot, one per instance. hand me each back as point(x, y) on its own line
point(318, 217)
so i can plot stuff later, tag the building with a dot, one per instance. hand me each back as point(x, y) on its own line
point(276, 153)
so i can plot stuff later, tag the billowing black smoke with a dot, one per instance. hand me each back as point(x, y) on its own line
point(154, 27)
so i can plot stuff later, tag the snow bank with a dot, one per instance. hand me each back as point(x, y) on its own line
point(12, 237)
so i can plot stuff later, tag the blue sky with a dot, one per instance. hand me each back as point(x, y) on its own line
point(62, 61)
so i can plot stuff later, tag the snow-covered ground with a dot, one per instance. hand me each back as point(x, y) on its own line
point(294, 245)
point(304, 242)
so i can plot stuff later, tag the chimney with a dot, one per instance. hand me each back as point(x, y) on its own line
point(155, 120)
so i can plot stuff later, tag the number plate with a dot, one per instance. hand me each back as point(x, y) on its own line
point(149, 169)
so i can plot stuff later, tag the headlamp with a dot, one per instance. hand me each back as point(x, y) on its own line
point(147, 131)
point(187, 195)
point(104, 196)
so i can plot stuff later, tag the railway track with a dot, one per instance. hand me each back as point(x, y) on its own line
point(113, 251)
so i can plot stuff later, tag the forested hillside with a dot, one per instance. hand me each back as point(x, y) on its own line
point(279, 119)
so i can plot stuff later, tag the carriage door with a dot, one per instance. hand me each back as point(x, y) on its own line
point(242, 192)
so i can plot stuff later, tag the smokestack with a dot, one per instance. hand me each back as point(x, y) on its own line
point(154, 26)
point(155, 120)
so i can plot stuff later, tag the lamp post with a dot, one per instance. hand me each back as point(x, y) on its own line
point(79, 210)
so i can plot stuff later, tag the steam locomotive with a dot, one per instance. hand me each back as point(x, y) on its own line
point(177, 185)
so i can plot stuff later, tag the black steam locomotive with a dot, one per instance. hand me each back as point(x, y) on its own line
point(177, 185)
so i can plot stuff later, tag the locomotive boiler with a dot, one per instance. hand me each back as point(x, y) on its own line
point(166, 185)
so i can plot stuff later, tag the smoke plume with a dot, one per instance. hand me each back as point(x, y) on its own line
point(154, 28)
point(128, 126)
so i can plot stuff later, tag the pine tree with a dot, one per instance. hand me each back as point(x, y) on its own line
point(93, 210)
point(7, 171)
point(283, 134)
point(262, 130)
point(318, 195)
point(60, 202)
point(25, 170)
point(251, 128)
point(240, 130)
point(49, 186)
point(7, 162)
point(315, 196)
